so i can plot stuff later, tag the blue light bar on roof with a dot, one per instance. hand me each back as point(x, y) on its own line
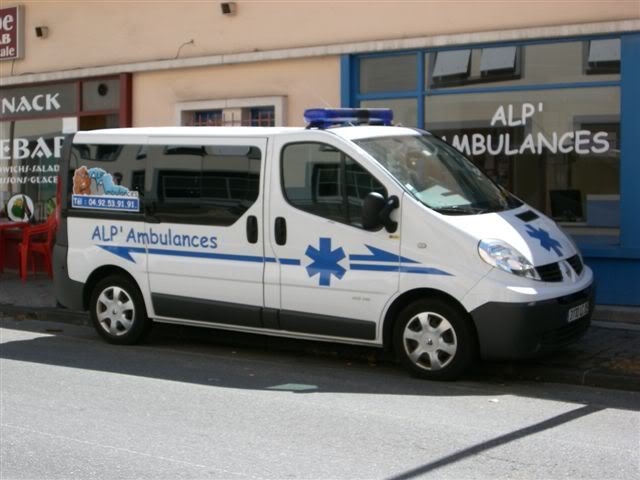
point(326, 117)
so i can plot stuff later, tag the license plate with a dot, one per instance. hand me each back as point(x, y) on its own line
point(578, 312)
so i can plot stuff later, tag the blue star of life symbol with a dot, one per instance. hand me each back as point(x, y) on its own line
point(325, 262)
point(546, 241)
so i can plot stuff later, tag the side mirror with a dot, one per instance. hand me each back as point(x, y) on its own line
point(376, 212)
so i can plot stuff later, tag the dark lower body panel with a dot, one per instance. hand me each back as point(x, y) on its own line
point(257, 317)
point(525, 330)
point(69, 293)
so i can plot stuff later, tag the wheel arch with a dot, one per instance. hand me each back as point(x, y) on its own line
point(100, 273)
point(410, 296)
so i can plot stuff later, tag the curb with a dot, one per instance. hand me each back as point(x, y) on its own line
point(50, 314)
point(592, 377)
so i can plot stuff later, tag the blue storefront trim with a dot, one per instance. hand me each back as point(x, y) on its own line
point(616, 267)
point(630, 143)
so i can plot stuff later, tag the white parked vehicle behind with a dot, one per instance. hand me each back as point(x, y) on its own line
point(365, 234)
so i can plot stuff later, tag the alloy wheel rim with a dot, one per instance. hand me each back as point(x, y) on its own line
point(430, 341)
point(115, 311)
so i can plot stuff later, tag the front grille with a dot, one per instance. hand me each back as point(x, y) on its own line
point(567, 333)
point(576, 264)
point(576, 297)
point(550, 272)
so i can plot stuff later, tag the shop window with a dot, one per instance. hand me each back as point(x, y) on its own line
point(451, 66)
point(233, 117)
point(34, 121)
point(495, 62)
point(206, 118)
point(233, 112)
point(208, 185)
point(98, 122)
point(30, 152)
point(520, 65)
point(262, 117)
point(603, 56)
point(396, 73)
point(556, 149)
point(319, 179)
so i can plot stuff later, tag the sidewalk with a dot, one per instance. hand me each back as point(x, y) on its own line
point(607, 356)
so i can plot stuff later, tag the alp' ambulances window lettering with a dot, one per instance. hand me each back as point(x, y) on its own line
point(107, 177)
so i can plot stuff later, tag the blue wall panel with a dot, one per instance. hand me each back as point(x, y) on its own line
point(617, 280)
point(630, 142)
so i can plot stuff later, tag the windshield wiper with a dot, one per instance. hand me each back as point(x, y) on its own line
point(461, 210)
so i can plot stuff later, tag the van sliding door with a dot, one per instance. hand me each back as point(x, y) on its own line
point(204, 229)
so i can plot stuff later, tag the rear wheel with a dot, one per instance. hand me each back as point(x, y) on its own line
point(434, 339)
point(117, 311)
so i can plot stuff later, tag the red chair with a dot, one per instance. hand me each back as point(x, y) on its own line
point(37, 239)
point(9, 230)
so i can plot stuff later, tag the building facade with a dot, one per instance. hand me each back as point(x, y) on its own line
point(544, 96)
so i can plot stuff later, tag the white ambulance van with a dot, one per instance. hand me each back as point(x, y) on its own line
point(349, 230)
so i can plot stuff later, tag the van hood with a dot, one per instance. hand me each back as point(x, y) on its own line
point(539, 240)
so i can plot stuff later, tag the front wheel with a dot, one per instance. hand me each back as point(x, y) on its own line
point(434, 339)
point(118, 312)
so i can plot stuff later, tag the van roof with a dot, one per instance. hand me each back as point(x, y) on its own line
point(117, 135)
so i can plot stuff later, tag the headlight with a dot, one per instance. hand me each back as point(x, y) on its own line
point(503, 256)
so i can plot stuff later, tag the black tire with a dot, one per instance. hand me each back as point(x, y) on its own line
point(434, 339)
point(117, 310)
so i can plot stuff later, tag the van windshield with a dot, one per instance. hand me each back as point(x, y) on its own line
point(438, 175)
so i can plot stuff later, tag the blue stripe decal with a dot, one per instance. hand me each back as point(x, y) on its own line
point(289, 261)
point(376, 255)
point(214, 256)
point(379, 255)
point(125, 252)
point(397, 268)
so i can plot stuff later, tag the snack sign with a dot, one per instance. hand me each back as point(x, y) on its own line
point(11, 27)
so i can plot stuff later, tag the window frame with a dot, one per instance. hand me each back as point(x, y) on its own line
point(342, 180)
point(460, 80)
point(278, 103)
point(600, 68)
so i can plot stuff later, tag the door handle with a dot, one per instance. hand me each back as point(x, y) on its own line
point(281, 231)
point(252, 229)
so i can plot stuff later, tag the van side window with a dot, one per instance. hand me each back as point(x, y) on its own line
point(203, 184)
point(321, 180)
point(104, 169)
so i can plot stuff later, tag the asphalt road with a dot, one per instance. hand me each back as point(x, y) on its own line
point(74, 407)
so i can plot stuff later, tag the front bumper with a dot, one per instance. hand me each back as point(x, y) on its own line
point(525, 330)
